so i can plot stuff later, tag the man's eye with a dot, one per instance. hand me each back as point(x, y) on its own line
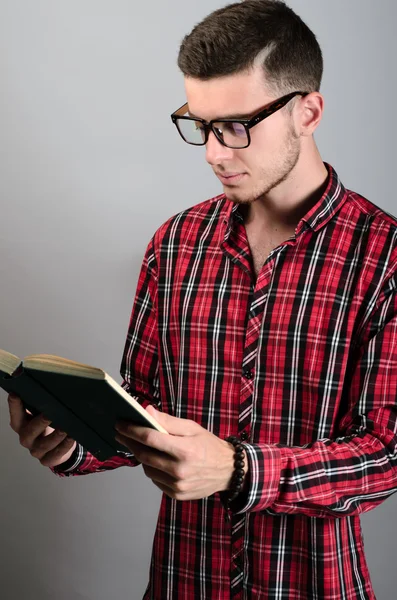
point(234, 128)
point(238, 129)
point(231, 128)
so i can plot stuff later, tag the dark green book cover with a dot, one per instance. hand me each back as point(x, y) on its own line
point(86, 408)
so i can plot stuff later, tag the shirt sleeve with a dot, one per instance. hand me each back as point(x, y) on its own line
point(139, 368)
point(354, 472)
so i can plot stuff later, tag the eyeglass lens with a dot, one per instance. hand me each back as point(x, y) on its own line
point(231, 133)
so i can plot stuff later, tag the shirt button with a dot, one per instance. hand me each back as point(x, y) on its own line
point(238, 561)
point(247, 373)
point(243, 436)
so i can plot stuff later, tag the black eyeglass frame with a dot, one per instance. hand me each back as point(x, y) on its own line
point(247, 123)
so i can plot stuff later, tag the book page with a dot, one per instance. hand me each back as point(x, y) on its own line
point(57, 364)
point(134, 402)
point(8, 362)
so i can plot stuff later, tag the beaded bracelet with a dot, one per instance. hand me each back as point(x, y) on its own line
point(238, 474)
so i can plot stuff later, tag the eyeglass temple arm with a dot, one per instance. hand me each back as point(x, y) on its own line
point(181, 111)
point(282, 102)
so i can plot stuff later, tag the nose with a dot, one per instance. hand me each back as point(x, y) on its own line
point(215, 152)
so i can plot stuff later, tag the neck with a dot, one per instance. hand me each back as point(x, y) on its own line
point(284, 206)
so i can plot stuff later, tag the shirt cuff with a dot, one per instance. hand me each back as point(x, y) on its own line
point(263, 479)
point(75, 460)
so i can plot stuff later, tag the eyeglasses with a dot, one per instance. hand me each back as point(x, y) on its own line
point(233, 133)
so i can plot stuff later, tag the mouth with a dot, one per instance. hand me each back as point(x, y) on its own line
point(230, 178)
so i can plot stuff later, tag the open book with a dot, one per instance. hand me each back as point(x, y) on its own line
point(83, 401)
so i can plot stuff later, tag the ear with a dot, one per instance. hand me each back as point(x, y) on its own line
point(310, 114)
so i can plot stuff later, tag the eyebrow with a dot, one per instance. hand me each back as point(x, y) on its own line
point(230, 116)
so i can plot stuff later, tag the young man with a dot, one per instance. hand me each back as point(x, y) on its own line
point(268, 313)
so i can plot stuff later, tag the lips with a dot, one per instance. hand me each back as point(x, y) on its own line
point(227, 175)
point(230, 178)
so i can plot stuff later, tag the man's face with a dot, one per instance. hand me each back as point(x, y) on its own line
point(275, 145)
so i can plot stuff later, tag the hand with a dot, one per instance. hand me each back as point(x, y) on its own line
point(51, 447)
point(188, 464)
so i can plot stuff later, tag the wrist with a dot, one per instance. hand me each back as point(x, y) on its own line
point(231, 468)
point(238, 468)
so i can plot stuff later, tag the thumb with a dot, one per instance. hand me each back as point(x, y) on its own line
point(173, 425)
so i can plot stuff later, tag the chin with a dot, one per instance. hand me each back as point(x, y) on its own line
point(238, 196)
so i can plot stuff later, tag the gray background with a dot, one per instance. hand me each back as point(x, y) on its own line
point(90, 167)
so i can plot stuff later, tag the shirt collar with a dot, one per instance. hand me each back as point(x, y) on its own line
point(323, 211)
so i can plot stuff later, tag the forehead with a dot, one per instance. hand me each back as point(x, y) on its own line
point(232, 95)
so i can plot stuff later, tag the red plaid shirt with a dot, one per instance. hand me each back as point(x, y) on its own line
point(301, 364)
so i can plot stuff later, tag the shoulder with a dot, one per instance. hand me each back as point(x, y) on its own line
point(378, 227)
point(188, 222)
point(377, 215)
point(378, 238)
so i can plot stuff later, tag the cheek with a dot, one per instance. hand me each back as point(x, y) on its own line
point(267, 137)
point(248, 159)
point(266, 148)
point(256, 159)
point(266, 154)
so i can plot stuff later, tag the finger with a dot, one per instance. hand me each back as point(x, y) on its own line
point(174, 425)
point(46, 443)
point(164, 488)
point(158, 476)
point(124, 441)
point(170, 444)
point(32, 429)
point(132, 445)
point(159, 461)
point(18, 416)
point(59, 454)
point(172, 493)
point(149, 457)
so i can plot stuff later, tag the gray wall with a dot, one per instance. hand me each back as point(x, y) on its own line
point(90, 167)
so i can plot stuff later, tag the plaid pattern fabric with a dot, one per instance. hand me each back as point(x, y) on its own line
point(301, 364)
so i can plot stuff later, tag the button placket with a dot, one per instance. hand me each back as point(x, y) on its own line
point(248, 373)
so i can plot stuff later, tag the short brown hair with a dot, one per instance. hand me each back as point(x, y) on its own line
point(239, 36)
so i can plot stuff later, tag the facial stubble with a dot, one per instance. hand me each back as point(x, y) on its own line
point(275, 174)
